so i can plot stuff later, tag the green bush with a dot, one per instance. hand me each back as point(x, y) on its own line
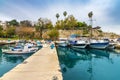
point(53, 34)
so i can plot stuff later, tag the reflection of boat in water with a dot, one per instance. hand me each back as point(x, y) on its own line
point(70, 56)
point(97, 52)
point(81, 51)
point(82, 54)
point(62, 50)
point(93, 52)
point(15, 58)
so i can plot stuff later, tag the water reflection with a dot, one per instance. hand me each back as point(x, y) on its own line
point(7, 61)
point(88, 64)
point(14, 58)
point(69, 56)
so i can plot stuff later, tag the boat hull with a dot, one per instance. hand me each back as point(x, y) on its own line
point(99, 45)
point(79, 46)
point(19, 52)
point(62, 44)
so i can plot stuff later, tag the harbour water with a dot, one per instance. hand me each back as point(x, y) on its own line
point(7, 62)
point(89, 64)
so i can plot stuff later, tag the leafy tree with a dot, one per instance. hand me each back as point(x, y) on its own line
point(83, 26)
point(13, 23)
point(39, 26)
point(25, 23)
point(71, 22)
point(57, 25)
point(43, 24)
point(49, 25)
point(1, 30)
point(53, 34)
point(10, 31)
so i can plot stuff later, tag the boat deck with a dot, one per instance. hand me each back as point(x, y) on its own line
point(43, 65)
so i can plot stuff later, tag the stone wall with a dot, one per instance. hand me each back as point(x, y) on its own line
point(67, 33)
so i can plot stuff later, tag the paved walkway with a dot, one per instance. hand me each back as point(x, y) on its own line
point(43, 65)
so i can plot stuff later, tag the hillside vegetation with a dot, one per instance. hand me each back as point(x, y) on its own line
point(43, 28)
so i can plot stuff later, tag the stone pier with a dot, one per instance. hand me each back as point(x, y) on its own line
point(42, 65)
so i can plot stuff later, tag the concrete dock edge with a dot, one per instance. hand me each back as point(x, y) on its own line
point(42, 65)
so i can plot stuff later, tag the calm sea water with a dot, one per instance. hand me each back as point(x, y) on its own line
point(83, 64)
point(7, 62)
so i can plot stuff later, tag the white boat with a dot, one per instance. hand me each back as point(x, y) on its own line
point(111, 46)
point(99, 44)
point(62, 42)
point(25, 50)
point(77, 41)
point(79, 44)
point(15, 48)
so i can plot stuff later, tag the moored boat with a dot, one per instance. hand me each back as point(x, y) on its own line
point(99, 44)
point(79, 44)
point(77, 41)
point(62, 42)
point(25, 50)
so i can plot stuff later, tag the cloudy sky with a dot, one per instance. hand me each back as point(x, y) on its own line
point(106, 12)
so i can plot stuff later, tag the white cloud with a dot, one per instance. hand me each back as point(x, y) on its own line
point(4, 17)
point(99, 8)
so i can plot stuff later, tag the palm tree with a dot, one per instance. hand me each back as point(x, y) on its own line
point(57, 16)
point(65, 13)
point(90, 14)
